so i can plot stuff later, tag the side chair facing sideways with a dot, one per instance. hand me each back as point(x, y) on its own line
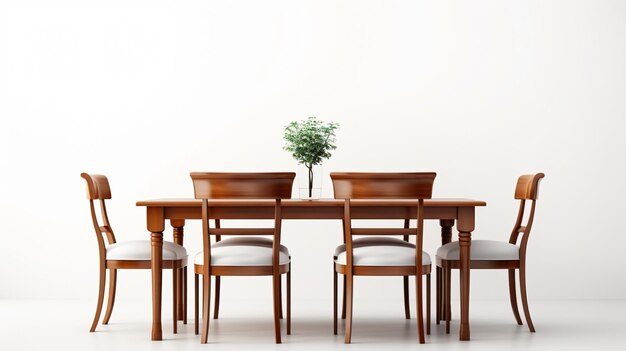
point(133, 254)
point(489, 254)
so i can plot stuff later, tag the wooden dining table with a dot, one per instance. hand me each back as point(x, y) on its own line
point(447, 211)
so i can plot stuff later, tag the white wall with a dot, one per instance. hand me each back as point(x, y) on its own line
point(147, 91)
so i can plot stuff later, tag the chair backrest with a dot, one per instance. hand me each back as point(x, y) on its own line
point(527, 189)
point(211, 185)
point(358, 185)
point(97, 186)
point(418, 185)
point(98, 189)
point(380, 185)
point(528, 186)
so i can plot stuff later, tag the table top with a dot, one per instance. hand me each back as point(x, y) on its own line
point(181, 202)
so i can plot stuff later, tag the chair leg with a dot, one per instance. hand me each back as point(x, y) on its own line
point(447, 273)
point(522, 283)
point(111, 302)
point(206, 308)
point(289, 300)
point(428, 304)
point(276, 293)
point(334, 300)
point(185, 295)
point(179, 293)
point(349, 279)
point(343, 306)
point(407, 305)
point(513, 296)
point(419, 305)
point(100, 297)
point(175, 299)
point(196, 303)
point(438, 295)
point(280, 296)
point(216, 309)
point(442, 295)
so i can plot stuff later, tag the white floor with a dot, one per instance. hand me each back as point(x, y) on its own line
point(565, 325)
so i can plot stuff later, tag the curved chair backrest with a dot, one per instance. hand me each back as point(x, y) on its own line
point(378, 185)
point(98, 189)
point(359, 185)
point(527, 189)
point(97, 186)
point(528, 186)
point(212, 185)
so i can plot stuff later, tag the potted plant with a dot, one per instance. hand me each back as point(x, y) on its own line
point(310, 141)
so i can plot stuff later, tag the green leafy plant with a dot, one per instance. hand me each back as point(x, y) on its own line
point(310, 142)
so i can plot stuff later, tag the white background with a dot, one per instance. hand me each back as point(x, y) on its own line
point(148, 91)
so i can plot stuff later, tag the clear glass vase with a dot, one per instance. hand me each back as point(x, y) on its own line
point(310, 182)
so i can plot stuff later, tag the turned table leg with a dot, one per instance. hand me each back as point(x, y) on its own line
point(446, 237)
point(465, 225)
point(446, 230)
point(155, 226)
point(178, 225)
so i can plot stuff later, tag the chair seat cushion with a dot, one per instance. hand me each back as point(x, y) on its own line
point(381, 251)
point(481, 250)
point(249, 240)
point(140, 250)
point(374, 240)
point(243, 251)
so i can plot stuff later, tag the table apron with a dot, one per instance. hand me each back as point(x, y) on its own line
point(311, 212)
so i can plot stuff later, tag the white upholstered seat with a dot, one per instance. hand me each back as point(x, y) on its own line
point(250, 240)
point(374, 240)
point(481, 250)
point(140, 250)
point(243, 251)
point(380, 251)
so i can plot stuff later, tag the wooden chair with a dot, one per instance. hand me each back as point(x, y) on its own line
point(242, 256)
point(135, 254)
point(382, 256)
point(488, 254)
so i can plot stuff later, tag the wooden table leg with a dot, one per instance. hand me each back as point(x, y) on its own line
point(178, 225)
point(155, 226)
point(465, 225)
point(157, 284)
point(446, 230)
point(446, 237)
